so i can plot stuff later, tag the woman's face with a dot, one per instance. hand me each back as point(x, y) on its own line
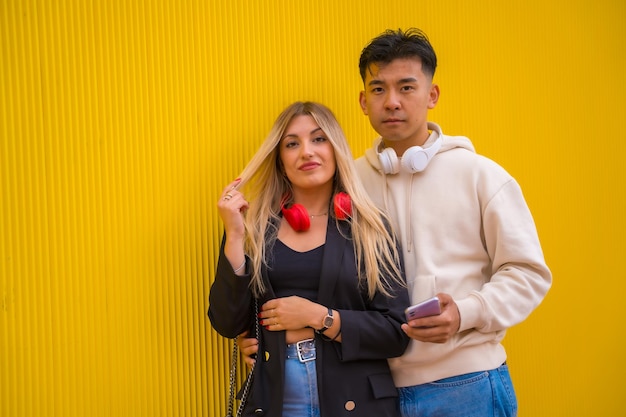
point(307, 155)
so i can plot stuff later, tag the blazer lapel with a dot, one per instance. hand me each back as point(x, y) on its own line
point(331, 262)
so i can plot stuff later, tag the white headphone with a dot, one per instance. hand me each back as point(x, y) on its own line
point(415, 159)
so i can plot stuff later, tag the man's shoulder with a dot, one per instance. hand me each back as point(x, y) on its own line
point(360, 161)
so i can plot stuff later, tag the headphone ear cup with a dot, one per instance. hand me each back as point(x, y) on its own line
point(297, 217)
point(342, 205)
point(389, 161)
point(415, 159)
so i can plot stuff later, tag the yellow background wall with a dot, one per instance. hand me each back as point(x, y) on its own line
point(121, 121)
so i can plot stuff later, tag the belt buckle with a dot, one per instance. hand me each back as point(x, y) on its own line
point(306, 350)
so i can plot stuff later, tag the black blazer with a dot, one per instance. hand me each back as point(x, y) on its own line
point(351, 373)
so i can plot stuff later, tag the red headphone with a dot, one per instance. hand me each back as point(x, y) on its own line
point(299, 219)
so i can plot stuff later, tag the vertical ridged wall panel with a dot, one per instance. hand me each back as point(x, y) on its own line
point(104, 289)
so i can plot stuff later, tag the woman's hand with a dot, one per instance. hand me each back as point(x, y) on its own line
point(231, 206)
point(291, 313)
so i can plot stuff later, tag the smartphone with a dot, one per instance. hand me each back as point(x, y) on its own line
point(426, 308)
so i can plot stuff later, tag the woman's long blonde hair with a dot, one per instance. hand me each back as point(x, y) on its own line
point(265, 185)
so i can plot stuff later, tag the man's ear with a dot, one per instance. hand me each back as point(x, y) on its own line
point(434, 96)
point(363, 102)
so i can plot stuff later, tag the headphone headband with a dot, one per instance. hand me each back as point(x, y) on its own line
point(415, 159)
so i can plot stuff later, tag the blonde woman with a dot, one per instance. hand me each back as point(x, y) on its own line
point(303, 238)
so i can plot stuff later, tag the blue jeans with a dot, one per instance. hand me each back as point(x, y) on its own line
point(300, 397)
point(478, 394)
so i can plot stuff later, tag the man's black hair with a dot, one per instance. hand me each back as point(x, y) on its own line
point(394, 44)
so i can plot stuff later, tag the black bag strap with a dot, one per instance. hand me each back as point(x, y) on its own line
point(233, 371)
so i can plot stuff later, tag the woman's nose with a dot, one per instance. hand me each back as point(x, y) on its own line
point(307, 150)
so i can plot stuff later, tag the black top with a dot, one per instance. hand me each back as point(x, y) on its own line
point(296, 273)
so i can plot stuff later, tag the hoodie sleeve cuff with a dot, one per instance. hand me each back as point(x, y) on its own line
point(470, 311)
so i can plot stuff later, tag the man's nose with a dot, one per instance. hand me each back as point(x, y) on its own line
point(392, 100)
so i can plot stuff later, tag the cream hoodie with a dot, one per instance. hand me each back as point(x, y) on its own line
point(465, 230)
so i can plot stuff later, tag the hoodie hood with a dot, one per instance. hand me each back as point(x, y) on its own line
point(447, 143)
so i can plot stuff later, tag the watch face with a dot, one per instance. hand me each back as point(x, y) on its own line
point(328, 321)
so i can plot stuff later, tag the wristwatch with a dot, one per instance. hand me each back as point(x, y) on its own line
point(327, 322)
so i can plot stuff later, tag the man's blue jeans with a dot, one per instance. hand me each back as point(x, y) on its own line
point(478, 394)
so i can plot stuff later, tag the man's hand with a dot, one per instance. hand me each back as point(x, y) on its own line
point(248, 346)
point(439, 328)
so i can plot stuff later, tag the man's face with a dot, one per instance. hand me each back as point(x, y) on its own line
point(396, 99)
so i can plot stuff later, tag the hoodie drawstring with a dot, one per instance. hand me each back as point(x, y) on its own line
point(409, 238)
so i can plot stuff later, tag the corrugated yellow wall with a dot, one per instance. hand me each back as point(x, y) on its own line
point(121, 121)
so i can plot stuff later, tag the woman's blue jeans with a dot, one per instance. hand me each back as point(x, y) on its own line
point(478, 394)
point(300, 396)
